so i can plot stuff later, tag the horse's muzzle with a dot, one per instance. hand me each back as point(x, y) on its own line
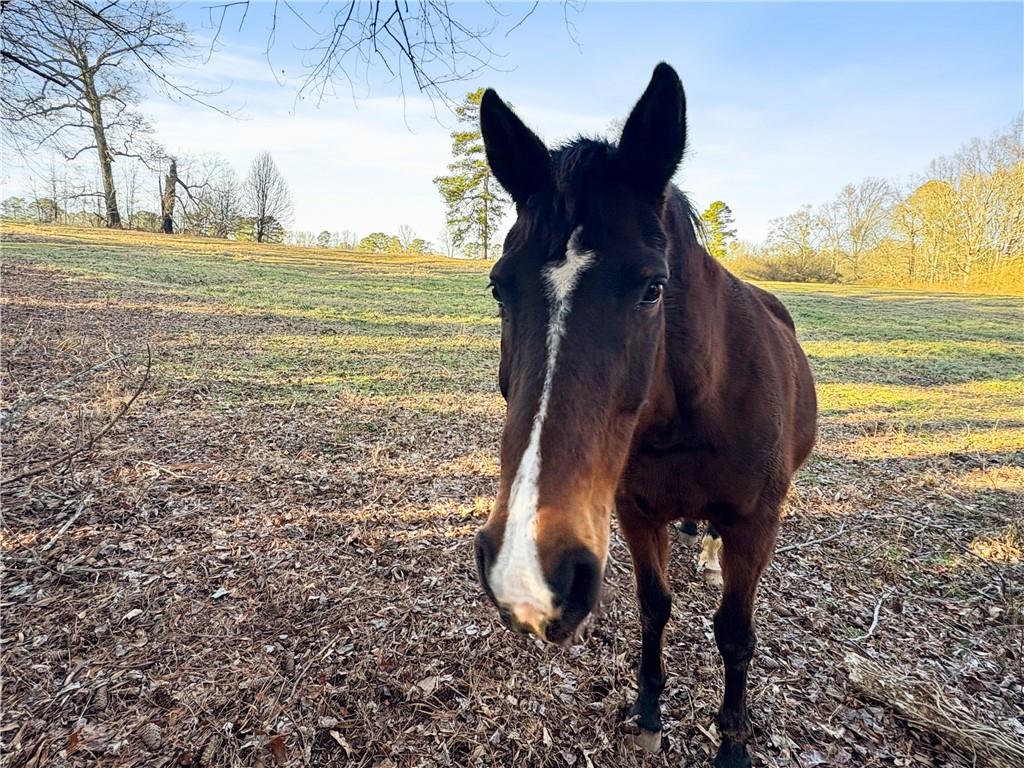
point(575, 583)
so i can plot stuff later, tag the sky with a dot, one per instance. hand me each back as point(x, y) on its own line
point(786, 102)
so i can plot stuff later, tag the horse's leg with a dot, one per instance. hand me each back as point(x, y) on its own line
point(649, 547)
point(747, 547)
point(709, 560)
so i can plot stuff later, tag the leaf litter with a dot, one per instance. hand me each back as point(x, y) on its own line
point(261, 584)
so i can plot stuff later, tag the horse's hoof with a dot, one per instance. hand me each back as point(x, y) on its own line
point(649, 741)
point(732, 754)
point(688, 539)
point(713, 578)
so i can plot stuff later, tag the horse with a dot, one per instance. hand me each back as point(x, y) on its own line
point(641, 378)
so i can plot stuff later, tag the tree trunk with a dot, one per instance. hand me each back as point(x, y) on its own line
point(168, 197)
point(487, 200)
point(102, 149)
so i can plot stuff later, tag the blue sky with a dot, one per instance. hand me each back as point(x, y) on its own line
point(786, 102)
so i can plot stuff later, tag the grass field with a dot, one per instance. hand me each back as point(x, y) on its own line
point(268, 557)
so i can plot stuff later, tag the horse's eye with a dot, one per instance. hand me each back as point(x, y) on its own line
point(653, 293)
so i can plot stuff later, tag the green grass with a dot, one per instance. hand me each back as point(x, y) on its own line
point(300, 327)
point(907, 369)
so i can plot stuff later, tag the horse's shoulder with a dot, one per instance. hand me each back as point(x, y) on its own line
point(772, 303)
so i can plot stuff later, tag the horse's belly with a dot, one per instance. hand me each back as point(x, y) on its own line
point(689, 484)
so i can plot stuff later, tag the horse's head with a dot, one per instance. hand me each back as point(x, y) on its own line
point(579, 289)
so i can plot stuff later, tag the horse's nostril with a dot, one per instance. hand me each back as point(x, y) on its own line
point(576, 584)
point(584, 583)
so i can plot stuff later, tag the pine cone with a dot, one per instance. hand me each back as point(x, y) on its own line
point(209, 753)
point(150, 735)
point(100, 699)
point(163, 698)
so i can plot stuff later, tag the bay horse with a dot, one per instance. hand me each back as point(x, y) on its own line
point(640, 377)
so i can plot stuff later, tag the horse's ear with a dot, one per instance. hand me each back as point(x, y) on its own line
point(518, 158)
point(654, 136)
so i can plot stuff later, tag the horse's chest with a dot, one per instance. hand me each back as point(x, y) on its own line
point(685, 482)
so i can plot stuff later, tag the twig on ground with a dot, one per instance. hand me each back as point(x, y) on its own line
point(874, 620)
point(64, 528)
point(812, 542)
point(165, 469)
point(93, 440)
point(18, 409)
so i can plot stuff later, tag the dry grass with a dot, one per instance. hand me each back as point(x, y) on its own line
point(268, 560)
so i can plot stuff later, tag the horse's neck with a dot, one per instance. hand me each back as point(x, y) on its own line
point(688, 373)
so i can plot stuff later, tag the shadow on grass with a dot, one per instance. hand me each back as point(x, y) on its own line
point(919, 370)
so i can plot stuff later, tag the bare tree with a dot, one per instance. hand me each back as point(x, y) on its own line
point(794, 248)
point(983, 215)
point(199, 194)
point(428, 45)
point(799, 232)
point(863, 212)
point(169, 197)
point(266, 196)
point(345, 239)
point(831, 234)
point(909, 228)
point(130, 186)
point(71, 70)
point(208, 203)
point(406, 235)
point(445, 242)
point(169, 187)
point(225, 201)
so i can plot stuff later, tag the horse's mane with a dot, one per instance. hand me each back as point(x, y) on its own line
point(587, 163)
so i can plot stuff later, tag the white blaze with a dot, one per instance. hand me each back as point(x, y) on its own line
point(517, 578)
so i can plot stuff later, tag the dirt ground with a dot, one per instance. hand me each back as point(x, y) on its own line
point(226, 581)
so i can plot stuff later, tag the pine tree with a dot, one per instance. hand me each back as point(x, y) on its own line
point(474, 202)
point(720, 230)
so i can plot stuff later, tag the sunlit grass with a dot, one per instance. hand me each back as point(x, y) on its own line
point(1000, 549)
point(915, 361)
point(996, 400)
point(1005, 479)
point(900, 373)
point(927, 442)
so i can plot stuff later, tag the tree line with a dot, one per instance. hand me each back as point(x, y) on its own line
point(198, 195)
point(958, 225)
point(72, 72)
point(214, 210)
